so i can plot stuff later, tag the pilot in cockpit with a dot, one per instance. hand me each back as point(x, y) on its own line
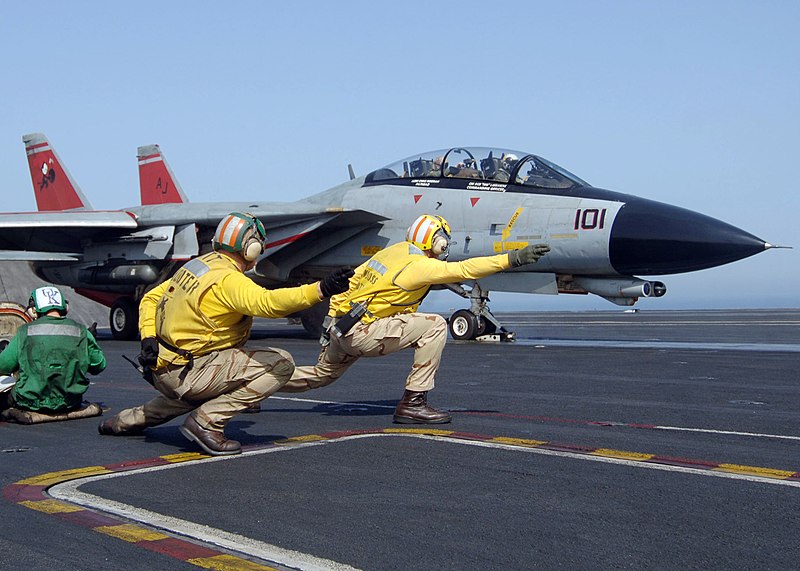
point(464, 169)
point(507, 164)
point(436, 167)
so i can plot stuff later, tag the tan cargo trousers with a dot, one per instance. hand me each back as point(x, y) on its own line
point(219, 385)
point(425, 332)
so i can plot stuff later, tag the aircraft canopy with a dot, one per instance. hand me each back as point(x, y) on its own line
point(497, 165)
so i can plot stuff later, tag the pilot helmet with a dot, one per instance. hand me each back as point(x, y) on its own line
point(242, 233)
point(510, 159)
point(430, 233)
point(44, 299)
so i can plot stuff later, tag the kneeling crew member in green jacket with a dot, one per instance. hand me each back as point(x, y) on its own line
point(193, 330)
point(50, 357)
point(391, 285)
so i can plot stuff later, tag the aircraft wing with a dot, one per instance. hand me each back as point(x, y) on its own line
point(60, 235)
point(28, 256)
point(293, 241)
point(295, 234)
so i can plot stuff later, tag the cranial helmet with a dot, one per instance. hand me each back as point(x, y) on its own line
point(43, 299)
point(430, 233)
point(241, 233)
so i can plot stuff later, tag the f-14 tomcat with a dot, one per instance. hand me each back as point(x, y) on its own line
point(494, 199)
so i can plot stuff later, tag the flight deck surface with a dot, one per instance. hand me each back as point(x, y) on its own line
point(650, 440)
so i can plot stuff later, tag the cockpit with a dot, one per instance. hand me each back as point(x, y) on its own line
point(503, 169)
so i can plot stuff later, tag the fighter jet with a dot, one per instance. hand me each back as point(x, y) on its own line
point(494, 199)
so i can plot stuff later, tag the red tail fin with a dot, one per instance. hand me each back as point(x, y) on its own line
point(52, 184)
point(156, 181)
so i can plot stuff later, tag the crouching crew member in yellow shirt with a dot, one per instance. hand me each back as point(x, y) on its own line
point(193, 329)
point(391, 285)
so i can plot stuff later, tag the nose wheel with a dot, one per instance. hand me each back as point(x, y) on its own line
point(465, 325)
point(477, 322)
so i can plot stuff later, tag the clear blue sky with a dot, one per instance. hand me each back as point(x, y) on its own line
point(692, 103)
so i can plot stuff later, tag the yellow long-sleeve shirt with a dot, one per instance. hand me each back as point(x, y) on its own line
point(396, 279)
point(209, 304)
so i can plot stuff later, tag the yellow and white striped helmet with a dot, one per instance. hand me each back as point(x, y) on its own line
point(424, 228)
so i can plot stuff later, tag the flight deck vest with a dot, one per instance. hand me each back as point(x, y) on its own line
point(53, 362)
point(180, 320)
point(377, 286)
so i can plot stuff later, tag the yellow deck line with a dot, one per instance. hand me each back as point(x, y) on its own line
point(518, 441)
point(428, 431)
point(228, 563)
point(755, 471)
point(623, 454)
point(184, 457)
point(130, 532)
point(57, 477)
point(51, 506)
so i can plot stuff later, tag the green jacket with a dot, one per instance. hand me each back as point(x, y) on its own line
point(51, 357)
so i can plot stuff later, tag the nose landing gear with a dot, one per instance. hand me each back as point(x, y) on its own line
point(477, 322)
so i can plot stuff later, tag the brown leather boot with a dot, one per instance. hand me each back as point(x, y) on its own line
point(413, 409)
point(212, 441)
point(109, 428)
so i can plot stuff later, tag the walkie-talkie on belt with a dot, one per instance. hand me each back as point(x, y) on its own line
point(348, 320)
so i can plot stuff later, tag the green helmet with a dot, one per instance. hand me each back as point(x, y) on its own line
point(43, 299)
point(240, 232)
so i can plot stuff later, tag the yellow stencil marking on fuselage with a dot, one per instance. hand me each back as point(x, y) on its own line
point(369, 251)
point(500, 247)
point(507, 230)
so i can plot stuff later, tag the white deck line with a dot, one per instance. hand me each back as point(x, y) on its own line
point(68, 492)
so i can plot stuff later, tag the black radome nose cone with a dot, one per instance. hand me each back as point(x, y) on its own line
point(653, 238)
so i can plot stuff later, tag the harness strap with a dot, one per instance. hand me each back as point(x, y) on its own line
point(182, 352)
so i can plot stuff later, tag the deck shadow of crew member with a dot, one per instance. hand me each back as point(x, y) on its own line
point(239, 429)
point(360, 408)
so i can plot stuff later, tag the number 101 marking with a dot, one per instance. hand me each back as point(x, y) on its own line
point(590, 218)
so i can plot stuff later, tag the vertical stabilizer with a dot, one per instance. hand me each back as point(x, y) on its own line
point(157, 184)
point(52, 184)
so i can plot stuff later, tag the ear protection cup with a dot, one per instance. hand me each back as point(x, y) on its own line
point(240, 233)
point(253, 248)
point(440, 244)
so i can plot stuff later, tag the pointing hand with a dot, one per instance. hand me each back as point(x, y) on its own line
point(527, 255)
